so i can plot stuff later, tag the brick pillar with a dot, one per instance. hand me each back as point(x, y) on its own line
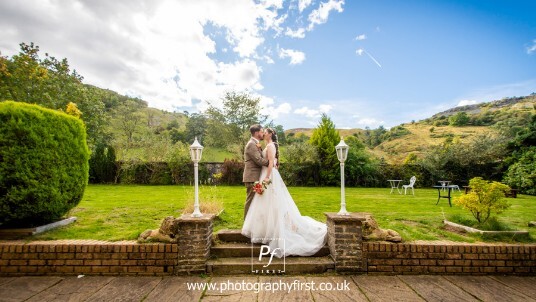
point(345, 241)
point(194, 242)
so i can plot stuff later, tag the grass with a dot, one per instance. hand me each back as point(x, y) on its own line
point(396, 150)
point(122, 212)
point(216, 155)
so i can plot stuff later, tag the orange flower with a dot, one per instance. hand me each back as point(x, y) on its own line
point(259, 187)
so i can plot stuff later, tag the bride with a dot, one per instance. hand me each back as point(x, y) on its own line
point(274, 218)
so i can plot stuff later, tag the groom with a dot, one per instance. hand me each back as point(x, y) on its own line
point(253, 162)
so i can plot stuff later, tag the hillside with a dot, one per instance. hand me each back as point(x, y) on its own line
point(309, 131)
point(504, 116)
point(519, 103)
point(421, 137)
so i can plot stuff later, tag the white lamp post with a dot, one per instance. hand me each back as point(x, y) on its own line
point(342, 154)
point(196, 150)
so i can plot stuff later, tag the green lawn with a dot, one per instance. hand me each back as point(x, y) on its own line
point(122, 212)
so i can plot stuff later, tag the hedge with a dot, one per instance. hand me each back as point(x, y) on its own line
point(43, 164)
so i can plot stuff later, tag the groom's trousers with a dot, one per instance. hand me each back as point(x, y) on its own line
point(249, 197)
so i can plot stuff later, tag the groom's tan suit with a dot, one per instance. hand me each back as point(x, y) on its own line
point(253, 162)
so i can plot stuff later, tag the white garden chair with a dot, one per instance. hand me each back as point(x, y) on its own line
point(411, 183)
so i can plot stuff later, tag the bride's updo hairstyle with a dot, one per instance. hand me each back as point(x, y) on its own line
point(276, 142)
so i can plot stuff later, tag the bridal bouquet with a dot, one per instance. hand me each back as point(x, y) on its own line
point(259, 186)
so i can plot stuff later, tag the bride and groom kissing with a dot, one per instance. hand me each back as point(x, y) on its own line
point(271, 217)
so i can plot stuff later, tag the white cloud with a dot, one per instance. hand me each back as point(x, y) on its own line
point(370, 122)
point(303, 4)
point(321, 14)
point(361, 37)
point(296, 57)
point(531, 49)
point(165, 52)
point(273, 112)
point(313, 113)
point(466, 102)
point(325, 108)
point(298, 33)
point(307, 112)
point(492, 93)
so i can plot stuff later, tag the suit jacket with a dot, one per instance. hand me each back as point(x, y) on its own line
point(253, 162)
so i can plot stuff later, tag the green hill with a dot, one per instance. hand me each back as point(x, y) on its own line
point(505, 117)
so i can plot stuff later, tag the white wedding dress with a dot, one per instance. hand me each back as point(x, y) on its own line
point(274, 219)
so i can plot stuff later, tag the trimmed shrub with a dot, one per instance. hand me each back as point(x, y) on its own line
point(43, 164)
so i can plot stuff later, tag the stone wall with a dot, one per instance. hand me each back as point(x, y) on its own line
point(450, 258)
point(79, 257)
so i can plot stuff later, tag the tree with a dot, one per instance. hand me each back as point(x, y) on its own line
point(228, 125)
point(25, 77)
point(526, 137)
point(282, 138)
point(485, 198)
point(129, 118)
point(102, 168)
point(242, 111)
point(459, 119)
point(360, 168)
point(324, 138)
point(49, 82)
point(300, 153)
point(196, 126)
point(522, 173)
point(374, 137)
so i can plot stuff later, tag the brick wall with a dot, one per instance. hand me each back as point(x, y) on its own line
point(345, 241)
point(73, 257)
point(194, 242)
point(473, 259)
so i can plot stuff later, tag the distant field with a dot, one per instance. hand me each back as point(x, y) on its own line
point(216, 155)
point(421, 137)
point(122, 212)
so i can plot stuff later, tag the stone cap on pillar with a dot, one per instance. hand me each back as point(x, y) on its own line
point(187, 218)
point(349, 217)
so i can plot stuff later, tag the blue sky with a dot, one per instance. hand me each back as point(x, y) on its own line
point(364, 63)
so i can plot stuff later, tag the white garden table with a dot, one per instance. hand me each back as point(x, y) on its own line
point(395, 183)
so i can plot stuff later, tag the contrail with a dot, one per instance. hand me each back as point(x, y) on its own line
point(361, 51)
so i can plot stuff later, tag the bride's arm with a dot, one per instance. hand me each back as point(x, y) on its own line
point(270, 152)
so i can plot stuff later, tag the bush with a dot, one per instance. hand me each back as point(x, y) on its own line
point(522, 174)
point(102, 168)
point(43, 164)
point(485, 197)
point(232, 172)
point(459, 119)
point(147, 173)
